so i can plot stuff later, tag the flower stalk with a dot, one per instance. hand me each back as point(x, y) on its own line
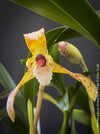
point(73, 55)
point(38, 108)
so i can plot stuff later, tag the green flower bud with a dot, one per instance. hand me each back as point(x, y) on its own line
point(70, 51)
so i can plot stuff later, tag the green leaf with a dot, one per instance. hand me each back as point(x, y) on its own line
point(30, 115)
point(98, 12)
point(60, 34)
point(81, 95)
point(49, 98)
point(90, 72)
point(79, 18)
point(9, 85)
point(73, 130)
point(5, 79)
point(81, 117)
point(17, 126)
point(3, 94)
point(63, 102)
point(57, 80)
point(23, 61)
point(78, 15)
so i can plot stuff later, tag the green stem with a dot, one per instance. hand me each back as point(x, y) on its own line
point(65, 126)
point(38, 107)
point(67, 114)
point(78, 84)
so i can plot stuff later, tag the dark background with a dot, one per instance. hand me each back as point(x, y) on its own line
point(16, 20)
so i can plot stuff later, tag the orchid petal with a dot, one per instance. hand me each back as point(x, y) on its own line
point(36, 42)
point(43, 74)
point(10, 102)
point(30, 61)
point(88, 84)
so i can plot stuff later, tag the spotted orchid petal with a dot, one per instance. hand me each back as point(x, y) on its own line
point(43, 74)
point(30, 61)
point(10, 102)
point(36, 42)
point(88, 84)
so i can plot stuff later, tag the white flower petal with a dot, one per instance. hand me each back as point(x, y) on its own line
point(43, 74)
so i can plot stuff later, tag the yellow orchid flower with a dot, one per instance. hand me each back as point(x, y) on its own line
point(42, 66)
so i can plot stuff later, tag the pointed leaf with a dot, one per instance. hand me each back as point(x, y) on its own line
point(30, 115)
point(78, 15)
point(49, 98)
point(9, 85)
point(83, 104)
point(18, 126)
point(63, 102)
point(81, 117)
point(57, 80)
point(60, 34)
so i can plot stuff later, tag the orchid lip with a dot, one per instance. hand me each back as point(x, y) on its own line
point(41, 61)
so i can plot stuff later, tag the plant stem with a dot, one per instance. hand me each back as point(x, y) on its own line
point(64, 128)
point(91, 104)
point(38, 107)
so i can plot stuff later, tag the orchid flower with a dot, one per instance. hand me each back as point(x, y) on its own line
point(42, 66)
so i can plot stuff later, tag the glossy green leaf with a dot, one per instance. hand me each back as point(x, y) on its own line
point(81, 95)
point(78, 15)
point(57, 80)
point(60, 34)
point(9, 85)
point(63, 102)
point(18, 126)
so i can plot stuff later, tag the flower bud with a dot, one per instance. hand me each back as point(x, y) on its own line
point(70, 51)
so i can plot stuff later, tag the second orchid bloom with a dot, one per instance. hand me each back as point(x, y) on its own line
point(42, 66)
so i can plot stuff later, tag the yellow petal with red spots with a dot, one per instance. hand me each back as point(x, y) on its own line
point(88, 84)
point(10, 101)
point(30, 61)
point(36, 42)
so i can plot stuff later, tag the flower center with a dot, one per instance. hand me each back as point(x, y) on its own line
point(40, 59)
